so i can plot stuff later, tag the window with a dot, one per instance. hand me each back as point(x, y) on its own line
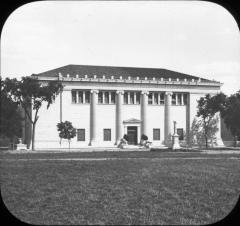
point(74, 97)
point(185, 99)
point(80, 134)
point(87, 97)
point(126, 98)
point(156, 134)
point(150, 96)
point(107, 134)
point(100, 97)
point(80, 97)
point(179, 99)
point(137, 98)
point(161, 98)
point(131, 98)
point(106, 97)
point(112, 98)
point(174, 99)
point(180, 133)
point(155, 99)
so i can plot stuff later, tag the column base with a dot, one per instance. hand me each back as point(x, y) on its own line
point(92, 143)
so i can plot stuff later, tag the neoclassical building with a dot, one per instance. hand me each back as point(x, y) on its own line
point(104, 103)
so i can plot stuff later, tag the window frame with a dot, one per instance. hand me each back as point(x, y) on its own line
point(105, 138)
point(84, 133)
point(181, 136)
point(74, 96)
point(154, 135)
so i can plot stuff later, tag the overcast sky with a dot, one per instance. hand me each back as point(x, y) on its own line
point(197, 38)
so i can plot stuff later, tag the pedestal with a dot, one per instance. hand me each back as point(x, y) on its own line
point(21, 146)
point(175, 143)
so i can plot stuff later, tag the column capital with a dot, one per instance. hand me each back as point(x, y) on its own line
point(119, 92)
point(168, 93)
point(94, 91)
point(144, 92)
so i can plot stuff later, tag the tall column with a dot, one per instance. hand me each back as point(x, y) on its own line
point(167, 119)
point(119, 124)
point(144, 102)
point(93, 128)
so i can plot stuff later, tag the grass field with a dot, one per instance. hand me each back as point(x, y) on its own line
point(130, 188)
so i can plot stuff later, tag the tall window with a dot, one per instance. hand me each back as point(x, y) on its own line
point(180, 133)
point(107, 134)
point(80, 134)
point(112, 97)
point(80, 97)
point(174, 99)
point(179, 99)
point(137, 98)
point(100, 97)
point(150, 100)
point(156, 134)
point(125, 97)
point(106, 97)
point(161, 98)
point(155, 98)
point(185, 99)
point(74, 97)
point(131, 97)
point(87, 97)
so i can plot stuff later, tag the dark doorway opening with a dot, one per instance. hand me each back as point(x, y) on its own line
point(132, 135)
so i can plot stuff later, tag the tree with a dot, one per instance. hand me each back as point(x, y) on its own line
point(207, 108)
point(10, 125)
point(231, 114)
point(66, 131)
point(30, 94)
point(197, 132)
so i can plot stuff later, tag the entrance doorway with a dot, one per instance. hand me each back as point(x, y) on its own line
point(132, 135)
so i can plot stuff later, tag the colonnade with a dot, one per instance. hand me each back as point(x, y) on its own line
point(119, 120)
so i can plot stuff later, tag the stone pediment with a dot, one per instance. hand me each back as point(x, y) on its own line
point(132, 120)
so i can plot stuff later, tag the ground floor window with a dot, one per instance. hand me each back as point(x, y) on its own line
point(180, 133)
point(107, 134)
point(81, 134)
point(156, 134)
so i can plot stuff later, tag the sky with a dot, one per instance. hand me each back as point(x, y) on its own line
point(197, 38)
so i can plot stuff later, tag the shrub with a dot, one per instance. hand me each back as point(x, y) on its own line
point(144, 137)
point(125, 137)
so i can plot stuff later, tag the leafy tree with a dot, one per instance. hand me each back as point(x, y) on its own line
point(207, 108)
point(10, 117)
point(66, 131)
point(197, 132)
point(30, 94)
point(231, 114)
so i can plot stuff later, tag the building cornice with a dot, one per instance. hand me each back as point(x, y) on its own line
point(131, 81)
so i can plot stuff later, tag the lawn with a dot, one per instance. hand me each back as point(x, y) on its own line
point(132, 188)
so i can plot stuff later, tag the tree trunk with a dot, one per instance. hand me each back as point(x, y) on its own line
point(206, 141)
point(69, 145)
point(33, 136)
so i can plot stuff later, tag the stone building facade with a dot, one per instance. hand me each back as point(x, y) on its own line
point(104, 103)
